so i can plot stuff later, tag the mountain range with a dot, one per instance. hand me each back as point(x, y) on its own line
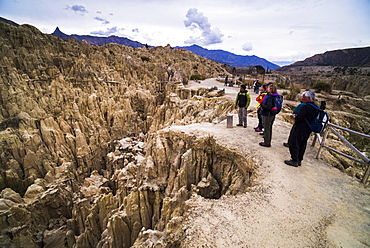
point(98, 41)
point(219, 56)
point(352, 57)
point(230, 59)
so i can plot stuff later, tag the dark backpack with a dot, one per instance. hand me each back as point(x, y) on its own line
point(278, 104)
point(320, 121)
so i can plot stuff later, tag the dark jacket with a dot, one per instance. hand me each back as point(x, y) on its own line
point(306, 112)
point(243, 99)
point(268, 104)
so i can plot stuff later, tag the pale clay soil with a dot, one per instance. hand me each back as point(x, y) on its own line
point(314, 205)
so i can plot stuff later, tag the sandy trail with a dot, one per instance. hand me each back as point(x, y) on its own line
point(314, 205)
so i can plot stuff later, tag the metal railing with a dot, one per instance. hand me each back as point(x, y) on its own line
point(330, 127)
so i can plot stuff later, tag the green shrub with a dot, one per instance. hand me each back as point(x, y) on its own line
point(143, 58)
point(196, 77)
point(281, 86)
point(293, 91)
point(322, 86)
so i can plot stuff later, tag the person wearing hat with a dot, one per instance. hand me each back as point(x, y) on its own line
point(243, 99)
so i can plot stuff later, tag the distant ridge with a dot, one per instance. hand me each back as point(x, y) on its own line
point(9, 22)
point(98, 41)
point(230, 59)
point(351, 57)
point(219, 56)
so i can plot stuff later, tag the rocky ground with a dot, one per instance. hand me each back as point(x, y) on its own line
point(314, 205)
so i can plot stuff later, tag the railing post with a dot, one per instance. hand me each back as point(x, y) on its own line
point(366, 175)
point(314, 139)
point(322, 142)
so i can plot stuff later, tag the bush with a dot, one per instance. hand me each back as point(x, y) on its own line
point(197, 77)
point(143, 58)
point(281, 86)
point(322, 86)
point(293, 91)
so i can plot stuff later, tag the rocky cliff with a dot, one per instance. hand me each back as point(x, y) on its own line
point(345, 70)
point(86, 158)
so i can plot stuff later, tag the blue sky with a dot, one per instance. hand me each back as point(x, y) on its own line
point(277, 30)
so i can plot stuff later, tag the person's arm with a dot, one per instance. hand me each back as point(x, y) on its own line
point(248, 100)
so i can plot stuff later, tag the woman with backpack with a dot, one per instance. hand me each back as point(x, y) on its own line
point(301, 129)
point(259, 100)
point(268, 112)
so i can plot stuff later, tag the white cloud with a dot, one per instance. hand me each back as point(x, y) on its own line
point(247, 46)
point(108, 32)
point(79, 9)
point(198, 22)
point(103, 21)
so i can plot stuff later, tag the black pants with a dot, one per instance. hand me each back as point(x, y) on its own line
point(298, 142)
point(268, 121)
point(260, 121)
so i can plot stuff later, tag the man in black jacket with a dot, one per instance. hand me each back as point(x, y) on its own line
point(301, 130)
point(243, 99)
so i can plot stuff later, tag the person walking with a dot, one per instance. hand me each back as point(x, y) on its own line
point(259, 100)
point(243, 99)
point(267, 116)
point(256, 86)
point(301, 130)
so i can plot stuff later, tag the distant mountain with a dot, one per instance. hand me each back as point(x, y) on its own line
point(230, 59)
point(352, 57)
point(220, 56)
point(9, 22)
point(99, 41)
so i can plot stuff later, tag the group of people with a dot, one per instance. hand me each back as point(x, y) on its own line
point(303, 114)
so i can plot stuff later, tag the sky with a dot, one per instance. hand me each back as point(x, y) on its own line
point(281, 31)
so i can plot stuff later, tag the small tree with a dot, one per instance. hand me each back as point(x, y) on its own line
point(322, 87)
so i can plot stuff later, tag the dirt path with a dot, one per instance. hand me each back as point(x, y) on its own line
point(314, 205)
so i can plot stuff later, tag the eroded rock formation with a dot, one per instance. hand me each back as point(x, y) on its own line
point(86, 157)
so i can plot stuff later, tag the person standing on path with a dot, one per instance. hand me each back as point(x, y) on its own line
point(267, 116)
point(243, 99)
point(256, 86)
point(259, 100)
point(295, 112)
point(301, 131)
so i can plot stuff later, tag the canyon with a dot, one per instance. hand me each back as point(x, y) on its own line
point(113, 146)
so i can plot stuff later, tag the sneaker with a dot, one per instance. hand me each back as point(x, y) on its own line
point(261, 133)
point(239, 125)
point(255, 127)
point(292, 163)
point(245, 126)
point(264, 144)
point(258, 130)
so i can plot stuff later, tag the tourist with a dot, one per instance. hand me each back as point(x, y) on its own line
point(256, 86)
point(242, 101)
point(295, 112)
point(267, 116)
point(301, 130)
point(259, 100)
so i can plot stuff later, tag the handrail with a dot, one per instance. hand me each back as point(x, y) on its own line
point(330, 127)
